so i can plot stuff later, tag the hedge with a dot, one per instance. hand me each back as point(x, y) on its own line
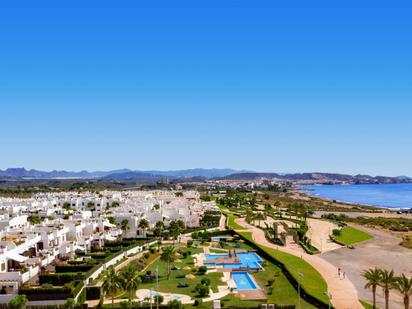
point(60, 278)
point(73, 268)
point(37, 294)
point(93, 292)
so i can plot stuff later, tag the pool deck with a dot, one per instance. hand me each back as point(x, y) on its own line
point(257, 294)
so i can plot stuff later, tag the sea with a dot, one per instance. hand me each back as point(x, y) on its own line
point(397, 196)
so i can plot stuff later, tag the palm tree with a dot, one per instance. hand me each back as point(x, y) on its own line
point(373, 277)
point(111, 283)
point(404, 286)
point(143, 224)
point(130, 280)
point(168, 256)
point(176, 227)
point(159, 228)
point(387, 282)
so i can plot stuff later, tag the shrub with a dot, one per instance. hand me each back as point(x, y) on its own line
point(175, 304)
point(158, 299)
point(60, 278)
point(202, 270)
point(205, 281)
point(47, 286)
point(203, 290)
point(336, 232)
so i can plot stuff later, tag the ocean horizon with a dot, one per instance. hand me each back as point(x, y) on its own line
point(378, 195)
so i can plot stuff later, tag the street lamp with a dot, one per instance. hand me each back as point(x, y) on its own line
point(299, 275)
point(329, 295)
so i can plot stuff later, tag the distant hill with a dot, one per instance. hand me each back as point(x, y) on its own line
point(197, 174)
point(22, 173)
point(325, 178)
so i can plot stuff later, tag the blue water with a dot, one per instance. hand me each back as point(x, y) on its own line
point(387, 195)
point(249, 260)
point(243, 281)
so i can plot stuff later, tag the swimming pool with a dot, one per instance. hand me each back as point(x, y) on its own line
point(243, 281)
point(248, 260)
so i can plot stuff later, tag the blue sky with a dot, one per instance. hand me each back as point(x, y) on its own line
point(284, 86)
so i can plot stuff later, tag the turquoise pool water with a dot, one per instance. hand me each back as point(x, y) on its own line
point(247, 260)
point(243, 281)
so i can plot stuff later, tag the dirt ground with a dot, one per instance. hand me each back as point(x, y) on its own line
point(319, 232)
point(382, 251)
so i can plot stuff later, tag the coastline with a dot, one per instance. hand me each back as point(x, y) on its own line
point(310, 191)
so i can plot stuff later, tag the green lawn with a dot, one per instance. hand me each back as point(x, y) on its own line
point(311, 281)
point(366, 305)
point(350, 235)
point(231, 222)
point(170, 286)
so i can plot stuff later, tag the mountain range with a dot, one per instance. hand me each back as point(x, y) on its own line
point(22, 173)
point(198, 174)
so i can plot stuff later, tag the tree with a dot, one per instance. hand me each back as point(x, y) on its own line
point(143, 224)
point(373, 278)
point(111, 283)
point(404, 286)
point(159, 229)
point(249, 216)
point(176, 227)
point(124, 225)
point(387, 282)
point(19, 302)
point(260, 216)
point(168, 255)
point(130, 281)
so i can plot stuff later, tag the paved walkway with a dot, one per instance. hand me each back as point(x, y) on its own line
point(344, 294)
point(222, 223)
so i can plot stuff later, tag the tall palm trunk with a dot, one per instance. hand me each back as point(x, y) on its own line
point(406, 301)
point(374, 296)
point(112, 301)
point(386, 298)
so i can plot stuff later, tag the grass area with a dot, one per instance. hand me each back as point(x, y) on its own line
point(280, 292)
point(311, 281)
point(170, 286)
point(366, 305)
point(231, 222)
point(350, 236)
